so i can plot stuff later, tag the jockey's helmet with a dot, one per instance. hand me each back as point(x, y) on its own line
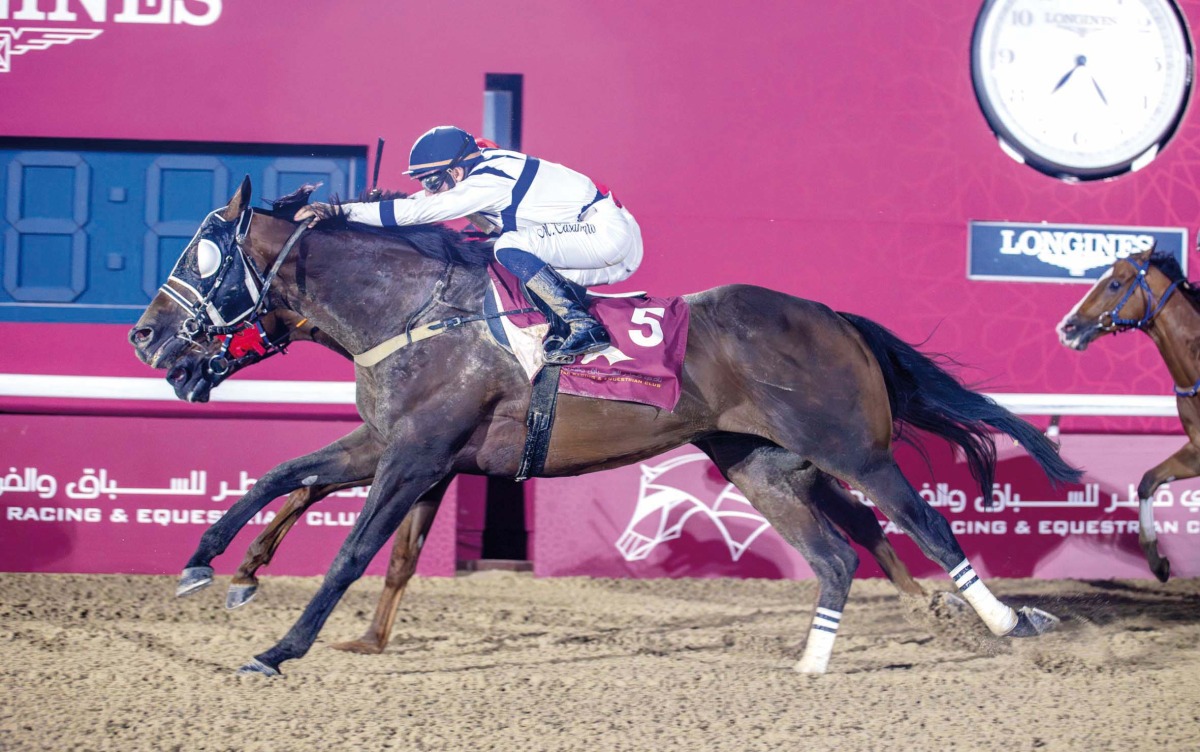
point(440, 150)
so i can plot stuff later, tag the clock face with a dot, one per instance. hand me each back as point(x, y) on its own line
point(1082, 89)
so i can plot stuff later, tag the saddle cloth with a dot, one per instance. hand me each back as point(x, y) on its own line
point(643, 364)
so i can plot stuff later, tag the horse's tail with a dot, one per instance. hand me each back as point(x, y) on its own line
point(923, 395)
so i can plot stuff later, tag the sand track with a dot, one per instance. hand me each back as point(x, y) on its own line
point(507, 662)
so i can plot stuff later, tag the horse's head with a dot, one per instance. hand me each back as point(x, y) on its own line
point(208, 320)
point(1127, 296)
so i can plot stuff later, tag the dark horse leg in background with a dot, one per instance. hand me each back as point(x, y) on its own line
point(410, 539)
point(774, 480)
point(350, 459)
point(244, 586)
point(861, 526)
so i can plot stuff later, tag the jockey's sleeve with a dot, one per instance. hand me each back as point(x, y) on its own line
point(475, 194)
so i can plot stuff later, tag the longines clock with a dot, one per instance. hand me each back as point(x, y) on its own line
point(1082, 89)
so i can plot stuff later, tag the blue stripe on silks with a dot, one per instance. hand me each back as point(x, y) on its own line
point(387, 213)
point(509, 215)
point(490, 171)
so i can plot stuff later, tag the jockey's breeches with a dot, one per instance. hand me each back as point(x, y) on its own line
point(605, 246)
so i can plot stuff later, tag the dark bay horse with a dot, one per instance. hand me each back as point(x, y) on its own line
point(1150, 293)
point(783, 394)
point(194, 375)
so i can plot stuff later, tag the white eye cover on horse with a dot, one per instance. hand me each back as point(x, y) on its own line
point(208, 258)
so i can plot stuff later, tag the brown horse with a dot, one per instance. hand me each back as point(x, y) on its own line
point(782, 393)
point(195, 377)
point(1150, 293)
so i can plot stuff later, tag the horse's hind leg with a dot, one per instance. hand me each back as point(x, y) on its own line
point(860, 524)
point(244, 586)
point(882, 481)
point(410, 538)
point(780, 485)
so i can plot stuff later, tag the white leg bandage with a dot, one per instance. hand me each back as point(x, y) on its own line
point(819, 646)
point(998, 617)
point(1146, 520)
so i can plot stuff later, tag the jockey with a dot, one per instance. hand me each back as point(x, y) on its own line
point(554, 224)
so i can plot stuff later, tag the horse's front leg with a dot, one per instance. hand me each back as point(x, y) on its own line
point(399, 482)
point(410, 538)
point(244, 586)
point(1183, 464)
point(350, 458)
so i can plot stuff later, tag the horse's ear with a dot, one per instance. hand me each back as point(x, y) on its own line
point(1143, 256)
point(239, 202)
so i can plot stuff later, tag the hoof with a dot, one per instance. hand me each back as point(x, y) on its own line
point(240, 595)
point(951, 601)
point(1032, 622)
point(1162, 569)
point(192, 580)
point(810, 667)
point(362, 647)
point(258, 667)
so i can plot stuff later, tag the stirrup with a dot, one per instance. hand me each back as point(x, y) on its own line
point(551, 351)
point(596, 339)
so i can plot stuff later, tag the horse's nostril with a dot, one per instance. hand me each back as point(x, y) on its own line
point(177, 375)
point(140, 336)
point(1068, 328)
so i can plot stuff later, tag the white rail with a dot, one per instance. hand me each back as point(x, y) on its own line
point(342, 393)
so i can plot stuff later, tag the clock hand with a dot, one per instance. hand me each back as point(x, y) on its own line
point(1098, 90)
point(1079, 61)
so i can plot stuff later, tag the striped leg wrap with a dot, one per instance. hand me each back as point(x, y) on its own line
point(999, 618)
point(819, 646)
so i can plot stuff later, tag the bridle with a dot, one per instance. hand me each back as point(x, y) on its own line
point(1116, 324)
point(233, 315)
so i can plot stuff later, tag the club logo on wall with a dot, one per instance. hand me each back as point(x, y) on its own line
point(20, 39)
point(1061, 253)
point(663, 509)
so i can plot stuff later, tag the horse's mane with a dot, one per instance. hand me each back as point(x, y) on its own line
point(1169, 266)
point(434, 241)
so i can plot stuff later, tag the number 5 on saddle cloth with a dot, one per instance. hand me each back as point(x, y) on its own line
point(643, 364)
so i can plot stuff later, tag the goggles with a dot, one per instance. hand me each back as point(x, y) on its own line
point(434, 182)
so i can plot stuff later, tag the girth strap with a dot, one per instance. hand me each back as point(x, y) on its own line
point(425, 331)
point(539, 422)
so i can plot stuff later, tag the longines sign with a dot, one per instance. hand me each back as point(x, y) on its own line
point(1061, 253)
point(41, 24)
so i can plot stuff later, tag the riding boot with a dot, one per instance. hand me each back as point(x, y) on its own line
point(583, 333)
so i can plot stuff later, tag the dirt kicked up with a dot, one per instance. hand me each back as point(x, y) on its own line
point(507, 662)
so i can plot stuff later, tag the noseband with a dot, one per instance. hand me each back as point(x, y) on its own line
point(1116, 323)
